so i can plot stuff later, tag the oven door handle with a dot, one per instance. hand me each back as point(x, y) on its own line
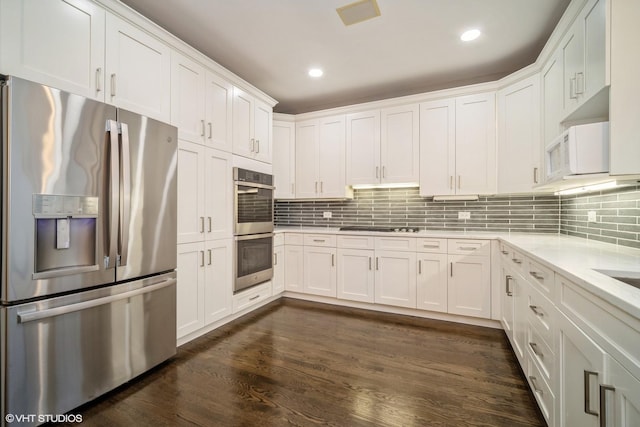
point(254, 185)
point(250, 191)
point(254, 236)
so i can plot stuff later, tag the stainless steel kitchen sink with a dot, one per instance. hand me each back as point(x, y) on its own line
point(629, 277)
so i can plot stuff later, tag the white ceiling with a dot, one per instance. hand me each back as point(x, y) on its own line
point(413, 47)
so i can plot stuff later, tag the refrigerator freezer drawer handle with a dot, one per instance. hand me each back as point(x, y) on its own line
point(44, 314)
point(125, 194)
point(114, 177)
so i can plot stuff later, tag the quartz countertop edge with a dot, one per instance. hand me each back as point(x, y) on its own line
point(572, 257)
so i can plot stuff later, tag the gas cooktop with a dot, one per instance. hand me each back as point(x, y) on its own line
point(382, 229)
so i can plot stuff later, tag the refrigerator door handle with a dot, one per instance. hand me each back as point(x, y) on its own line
point(112, 202)
point(125, 194)
point(31, 316)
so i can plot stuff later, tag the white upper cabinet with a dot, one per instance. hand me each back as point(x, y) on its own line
point(584, 52)
point(437, 147)
point(284, 152)
point(252, 126)
point(625, 88)
point(383, 146)
point(56, 43)
point(201, 104)
point(138, 70)
point(458, 146)
point(319, 152)
point(519, 144)
point(400, 144)
point(363, 148)
point(552, 99)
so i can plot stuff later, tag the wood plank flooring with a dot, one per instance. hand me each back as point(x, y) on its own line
point(307, 364)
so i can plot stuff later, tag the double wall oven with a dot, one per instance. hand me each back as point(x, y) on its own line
point(253, 228)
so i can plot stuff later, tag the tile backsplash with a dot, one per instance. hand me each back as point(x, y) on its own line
point(617, 216)
point(404, 207)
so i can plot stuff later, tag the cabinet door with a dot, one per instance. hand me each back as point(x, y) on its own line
point(355, 275)
point(506, 303)
point(293, 268)
point(219, 112)
point(519, 147)
point(595, 47)
point(395, 278)
point(187, 98)
point(582, 370)
point(278, 270)
point(572, 51)
point(432, 282)
point(469, 291)
point(552, 98)
point(190, 288)
point(476, 144)
point(57, 43)
point(363, 148)
point(331, 168)
point(320, 271)
point(400, 144)
point(262, 127)
point(520, 291)
point(284, 159)
point(218, 288)
point(306, 159)
point(219, 196)
point(623, 407)
point(437, 147)
point(243, 143)
point(138, 69)
point(191, 192)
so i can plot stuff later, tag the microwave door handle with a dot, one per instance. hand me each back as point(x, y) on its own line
point(125, 194)
point(112, 196)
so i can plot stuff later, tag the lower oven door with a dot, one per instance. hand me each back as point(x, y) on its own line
point(61, 352)
point(253, 261)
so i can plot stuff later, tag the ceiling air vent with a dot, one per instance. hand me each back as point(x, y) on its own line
point(358, 11)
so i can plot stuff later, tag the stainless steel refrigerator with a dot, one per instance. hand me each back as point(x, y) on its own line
point(88, 240)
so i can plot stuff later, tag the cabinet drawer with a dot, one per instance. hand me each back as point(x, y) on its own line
point(431, 245)
point(294, 239)
point(278, 239)
point(542, 316)
point(516, 260)
point(540, 276)
point(356, 242)
point(251, 296)
point(541, 390)
point(541, 352)
point(396, 243)
point(327, 240)
point(469, 247)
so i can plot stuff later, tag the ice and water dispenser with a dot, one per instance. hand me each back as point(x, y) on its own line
point(65, 234)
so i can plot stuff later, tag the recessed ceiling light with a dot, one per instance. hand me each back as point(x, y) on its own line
point(469, 35)
point(316, 72)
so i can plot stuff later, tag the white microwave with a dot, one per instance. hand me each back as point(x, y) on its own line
point(581, 149)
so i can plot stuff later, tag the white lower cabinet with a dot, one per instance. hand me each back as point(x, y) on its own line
point(469, 291)
point(205, 283)
point(320, 271)
point(355, 275)
point(395, 278)
point(293, 267)
point(432, 282)
point(622, 398)
point(277, 282)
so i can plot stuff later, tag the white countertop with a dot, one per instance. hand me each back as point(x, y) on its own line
point(573, 257)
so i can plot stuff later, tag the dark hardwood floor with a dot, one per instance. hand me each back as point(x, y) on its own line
point(305, 364)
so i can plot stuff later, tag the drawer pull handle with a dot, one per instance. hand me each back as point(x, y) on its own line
point(516, 260)
point(419, 266)
point(319, 240)
point(432, 246)
point(536, 275)
point(534, 348)
point(505, 252)
point(369, 263)
point(587, 392)
point(254, 298)
point(507, 285)
point(537, 312)
point(467, 248)
point(534, 383)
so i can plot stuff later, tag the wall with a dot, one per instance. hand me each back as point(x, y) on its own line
point(404, 207)
point(617, 213)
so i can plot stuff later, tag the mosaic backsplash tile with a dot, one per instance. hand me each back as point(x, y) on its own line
point(617, 216)
point(404, 207)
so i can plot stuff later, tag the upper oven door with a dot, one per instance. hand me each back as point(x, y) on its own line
point(253, 208)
